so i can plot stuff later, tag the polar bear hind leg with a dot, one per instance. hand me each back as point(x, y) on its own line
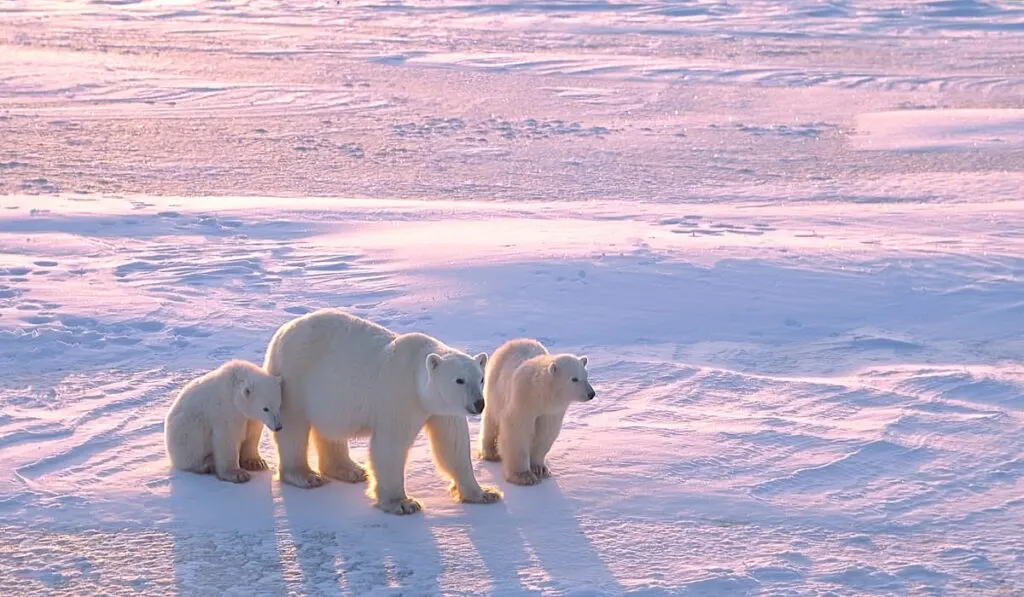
point(335, 461)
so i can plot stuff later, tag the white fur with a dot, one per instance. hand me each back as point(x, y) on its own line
point(215, 423)
point(527, 393)
point(344, 376)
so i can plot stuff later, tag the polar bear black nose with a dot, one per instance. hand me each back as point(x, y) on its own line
point(591, 394)
point(478, 406)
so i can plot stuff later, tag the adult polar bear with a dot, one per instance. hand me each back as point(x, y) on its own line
point(344, 377)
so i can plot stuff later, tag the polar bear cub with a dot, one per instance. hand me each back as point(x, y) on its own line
point(527, 393)
point(346, 377)
point(215, 423)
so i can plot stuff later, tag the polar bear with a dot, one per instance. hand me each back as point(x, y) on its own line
point(215, 423)
point(527, 393)
point(346, 377)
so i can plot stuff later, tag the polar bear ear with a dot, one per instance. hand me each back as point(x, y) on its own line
point(553, 368)
point(245, 388)
point(481, 359)
point(433, 361)
point(583, 361)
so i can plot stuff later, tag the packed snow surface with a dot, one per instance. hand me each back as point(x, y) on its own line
point(788, 234)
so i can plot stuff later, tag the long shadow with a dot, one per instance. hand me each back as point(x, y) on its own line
point(536, 533)
point(340, 545)
point(223, 535)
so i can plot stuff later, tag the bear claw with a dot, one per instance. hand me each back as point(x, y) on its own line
point(306, 480)
point(235, 475)
point(542, 471)
point(523, 478)
point(486, 495)
point(401, 506)
point(489, 496)
point(348, 475)
point(254, 464)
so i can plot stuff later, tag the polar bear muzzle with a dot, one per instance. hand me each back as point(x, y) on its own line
point(271, 420)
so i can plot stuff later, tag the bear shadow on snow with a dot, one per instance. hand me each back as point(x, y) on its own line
point(344, 546)
point(210, 522)
point(538, 519)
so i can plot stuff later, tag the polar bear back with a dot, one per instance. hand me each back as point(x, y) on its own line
point(501, 370)
point(343, 372)
point(328, 336)
point(211, 396)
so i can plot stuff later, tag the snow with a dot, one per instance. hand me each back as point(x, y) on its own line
point(942, 129)
point(787, 234)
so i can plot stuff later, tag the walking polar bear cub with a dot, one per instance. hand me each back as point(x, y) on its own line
point(215, 423)
point(527, 393)
point(344, 377)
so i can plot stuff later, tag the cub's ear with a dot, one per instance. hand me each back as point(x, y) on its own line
point(552, 368)
point(433, 361)
point(245, 388)
point(481, 359)
point(583, 361)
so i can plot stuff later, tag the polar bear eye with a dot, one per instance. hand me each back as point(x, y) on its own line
point(575, 379)
point(265, 409)
point(460, 381)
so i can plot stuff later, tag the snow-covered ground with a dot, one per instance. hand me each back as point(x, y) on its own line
point(789, 235)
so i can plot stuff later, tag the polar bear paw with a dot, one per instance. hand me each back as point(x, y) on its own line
point(234, 475)
point(349, 474)
point(206, 467)
point(490, 455)
point(541, 470)
point(304, 479)
point(253, 464)
point(405, 505)
point(523, 478)
point(485, 495)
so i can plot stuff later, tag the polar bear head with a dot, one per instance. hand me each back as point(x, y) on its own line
point(569, 379)
point(454, 383)
point(258, 396)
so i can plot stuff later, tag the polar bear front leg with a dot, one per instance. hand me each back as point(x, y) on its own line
point(450, 444)
point(548, 428)
point(249, 457)
point(389, 452)
point(335, 461)
point(514, 443)
point(226, 446)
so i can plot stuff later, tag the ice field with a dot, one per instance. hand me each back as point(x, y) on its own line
point(789, 235)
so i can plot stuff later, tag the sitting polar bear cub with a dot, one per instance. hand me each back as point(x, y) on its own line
point(345, 377)
point(527, 393)
point(215, 423)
